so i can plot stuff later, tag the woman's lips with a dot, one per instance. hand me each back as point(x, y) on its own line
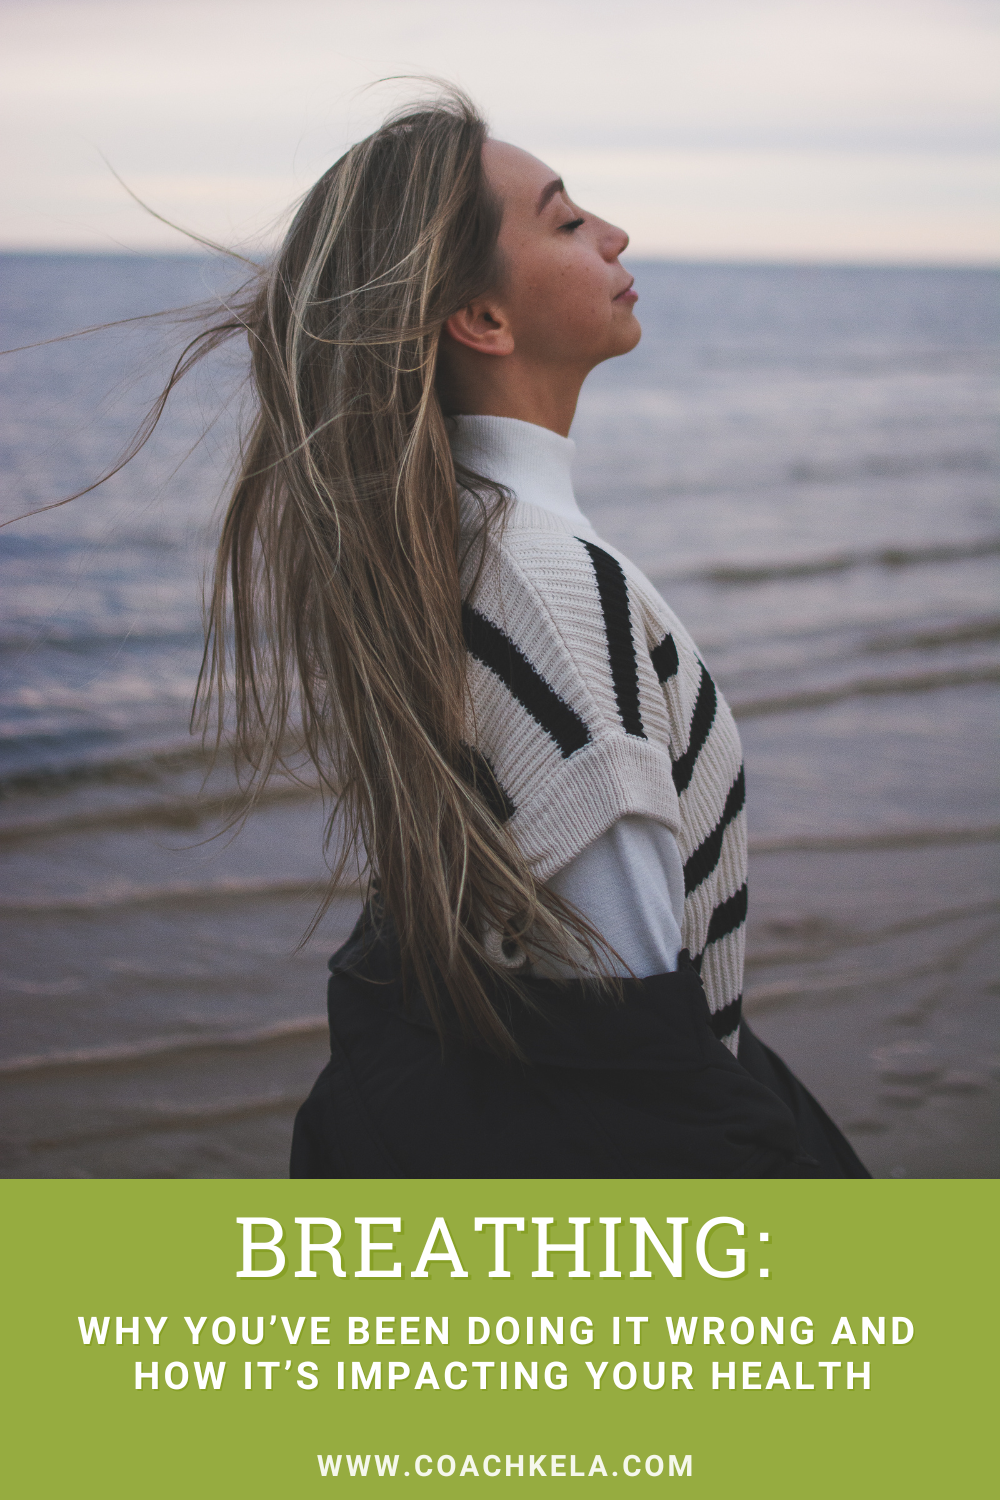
point(628, 295)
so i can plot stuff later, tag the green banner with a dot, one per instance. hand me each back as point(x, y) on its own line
point(269, 1338)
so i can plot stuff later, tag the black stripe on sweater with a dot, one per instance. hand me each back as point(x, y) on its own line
point(701, 724)
point(489, 645)
point(613, 592)
point(665, 659)
point(702, 862)
point(726, 918)
point(727, 1019)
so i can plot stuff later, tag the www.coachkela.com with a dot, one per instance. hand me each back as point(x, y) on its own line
point(511, 1465)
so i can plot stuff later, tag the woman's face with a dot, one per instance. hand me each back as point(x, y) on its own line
point(568, 300)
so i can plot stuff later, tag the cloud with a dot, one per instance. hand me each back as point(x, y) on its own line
point(730, 127)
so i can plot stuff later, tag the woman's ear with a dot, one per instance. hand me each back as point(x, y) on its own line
point(482, 326)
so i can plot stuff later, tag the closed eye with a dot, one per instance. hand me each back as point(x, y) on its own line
point(574, 225)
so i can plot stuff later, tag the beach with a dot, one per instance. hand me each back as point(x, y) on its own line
point(803, 460)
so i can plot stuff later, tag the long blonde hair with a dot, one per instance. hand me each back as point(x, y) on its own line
point(334, 618)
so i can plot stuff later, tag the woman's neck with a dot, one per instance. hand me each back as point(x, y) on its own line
point(513, 387)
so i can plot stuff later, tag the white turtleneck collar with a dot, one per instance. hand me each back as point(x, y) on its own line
point(534, 462)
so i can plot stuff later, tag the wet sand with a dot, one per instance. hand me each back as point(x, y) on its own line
point(160, 1020)
point(885, 1005)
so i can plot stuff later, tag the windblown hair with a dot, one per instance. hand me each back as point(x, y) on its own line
point(334, 636)
point(335, 613)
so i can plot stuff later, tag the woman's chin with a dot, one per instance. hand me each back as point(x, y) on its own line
point(630, 332)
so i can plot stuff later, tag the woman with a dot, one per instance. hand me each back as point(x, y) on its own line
point(519, 735)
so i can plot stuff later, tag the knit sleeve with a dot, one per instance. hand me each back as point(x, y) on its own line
point(564, 701)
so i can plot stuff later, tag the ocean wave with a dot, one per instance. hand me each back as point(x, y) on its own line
point(893, 466)
point(179, 812)
point(149, 766)
point(43, 639)
point(872, 841)
point(126, 898)
point(841, 562)
point(153, 1118)
point(109, 700)
point(156, 1048)
point(864, 979)
point(833, 939)
point(962, 633)
point(19, 546)
point(864, 687)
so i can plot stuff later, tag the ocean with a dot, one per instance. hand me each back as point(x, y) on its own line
point(805, 462)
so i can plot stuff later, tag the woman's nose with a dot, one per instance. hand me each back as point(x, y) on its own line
point(616, 241)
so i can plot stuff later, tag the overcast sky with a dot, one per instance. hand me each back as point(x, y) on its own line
point(789, 129)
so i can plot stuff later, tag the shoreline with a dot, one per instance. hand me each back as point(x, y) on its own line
point(177, 1038)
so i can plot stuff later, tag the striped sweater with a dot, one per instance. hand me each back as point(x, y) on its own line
point(589, 701)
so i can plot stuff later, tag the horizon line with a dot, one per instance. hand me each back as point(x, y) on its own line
point(775, 259)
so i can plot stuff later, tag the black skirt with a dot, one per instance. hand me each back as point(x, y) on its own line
point(634, 1087)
